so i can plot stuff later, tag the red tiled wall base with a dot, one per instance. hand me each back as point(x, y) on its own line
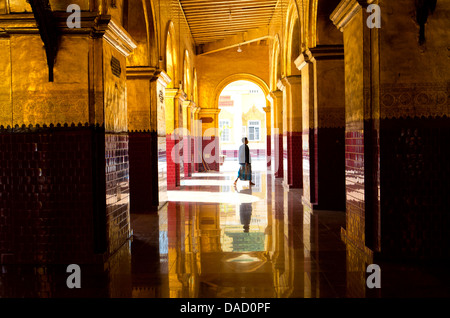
point(277, 156)
point(162, 170)
point(197, 154)
point(354, 178)
point(180, 165)
point(209, 143)
point(173, 168)
point(178, 173)
point(46, 196)
point(117, 191)
point(187, 156)
point(415, 187)
point(309, 172)
point(294, 144)
point(143, 171)
point(313, 140)
point(287, 164)
point(254, 153)
point(330, 151)
point(193, 155)
point(292, 165)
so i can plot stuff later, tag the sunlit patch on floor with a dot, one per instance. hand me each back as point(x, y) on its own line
point(206, 182)
point(213, 174)
point(211, 197)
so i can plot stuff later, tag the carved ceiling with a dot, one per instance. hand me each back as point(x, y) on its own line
point(215, 20)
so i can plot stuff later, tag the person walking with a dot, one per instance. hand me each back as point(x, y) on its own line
point(245, 169)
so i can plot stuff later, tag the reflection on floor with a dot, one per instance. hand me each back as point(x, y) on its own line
point(216, 240)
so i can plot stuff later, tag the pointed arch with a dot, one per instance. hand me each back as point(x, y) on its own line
point(195, 87)
point(275, 63)
point(139, 22)
point(171, 55)
point(153, 31)
point(312, 25)
point(293, 43)
point(239, 77)
point(187, 78)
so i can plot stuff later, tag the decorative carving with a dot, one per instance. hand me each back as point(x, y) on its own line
point(161, 96)
point(414, 100)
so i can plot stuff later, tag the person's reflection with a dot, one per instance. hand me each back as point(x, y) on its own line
point(245, 211)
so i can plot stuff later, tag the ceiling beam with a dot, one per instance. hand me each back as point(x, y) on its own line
point(226, 13)
point(214, 16)
point(227, 3)
point(233, 41)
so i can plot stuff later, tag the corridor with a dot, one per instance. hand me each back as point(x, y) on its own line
point(120, 124)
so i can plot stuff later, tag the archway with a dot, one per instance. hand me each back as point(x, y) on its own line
point(139, 22)
point(171, 55)
point(294, 48)
point(195, 87)
point(242, 104)
point(276, 67)
point(237, 77)
point(292, 40)
point(187, 78)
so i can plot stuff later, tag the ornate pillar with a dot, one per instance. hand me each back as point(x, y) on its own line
point(174, 136)
point(324, 103)
point(349, 17)
point(187, 145)
point(159, 83)
point(142, 146)
point(180, 98)
point(268, 127)
point(276, 100)
point(292, 130)
point(196, 130)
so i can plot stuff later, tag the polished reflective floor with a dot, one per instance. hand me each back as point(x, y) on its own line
point(216, 240)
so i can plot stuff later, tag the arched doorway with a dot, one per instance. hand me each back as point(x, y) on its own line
point(242, 114)
point(171, 55)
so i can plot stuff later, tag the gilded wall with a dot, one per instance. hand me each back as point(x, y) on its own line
point(354, 70)
point(331, 96)
point(115, 89)
point(417, 85)
point(6, 113)
point(138, 106)
point(414, 132)
point(27, 95)
point(169, 10)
